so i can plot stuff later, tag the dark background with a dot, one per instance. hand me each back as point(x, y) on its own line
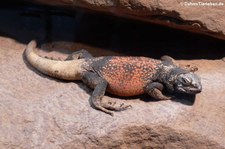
point(25, 21)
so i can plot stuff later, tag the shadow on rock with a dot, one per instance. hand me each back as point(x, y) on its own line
point(186, 99)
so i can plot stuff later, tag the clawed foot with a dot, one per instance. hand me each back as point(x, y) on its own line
point(124, 107)
point(111, 106)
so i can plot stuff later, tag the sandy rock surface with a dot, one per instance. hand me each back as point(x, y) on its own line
point(40, 112)
point(203, 16)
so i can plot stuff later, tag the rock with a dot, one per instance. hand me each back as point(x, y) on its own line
point(202, 17)
point(223, 59)
point(40, 112)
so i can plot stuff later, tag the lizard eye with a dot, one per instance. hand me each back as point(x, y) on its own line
point(185, 81)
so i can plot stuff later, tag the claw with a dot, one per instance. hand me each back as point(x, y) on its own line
point(114, 103)
point(111, 113)
point(129, 106)
point(124, 107)
point(111, 103)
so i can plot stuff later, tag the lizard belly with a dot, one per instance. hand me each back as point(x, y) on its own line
point(125, 88)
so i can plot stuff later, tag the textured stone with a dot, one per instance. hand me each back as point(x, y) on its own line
point(196, 16)
point(40, 112)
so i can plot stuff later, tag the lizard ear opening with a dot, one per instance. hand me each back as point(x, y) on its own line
point(167, 60)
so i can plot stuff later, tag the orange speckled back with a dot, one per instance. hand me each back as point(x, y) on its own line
point(127, 76)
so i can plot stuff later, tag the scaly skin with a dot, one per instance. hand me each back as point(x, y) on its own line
point(126, 76)
point(123, 76)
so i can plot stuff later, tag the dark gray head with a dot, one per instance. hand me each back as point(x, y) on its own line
point(178, 79)
point(183, 81)
point(188, 83)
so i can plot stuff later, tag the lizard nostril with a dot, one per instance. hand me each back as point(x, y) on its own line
point(198, 87)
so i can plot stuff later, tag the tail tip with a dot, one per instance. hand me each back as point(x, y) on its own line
point(32, 44)
point(30, 47)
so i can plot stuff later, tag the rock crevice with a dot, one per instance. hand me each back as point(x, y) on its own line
point(201, 17)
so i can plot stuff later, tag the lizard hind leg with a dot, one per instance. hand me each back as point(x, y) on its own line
point(99, 85)
point(79, 54)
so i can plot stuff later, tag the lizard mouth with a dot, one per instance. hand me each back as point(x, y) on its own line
point(190, 90)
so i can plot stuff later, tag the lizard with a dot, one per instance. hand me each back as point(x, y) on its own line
point(118, 75)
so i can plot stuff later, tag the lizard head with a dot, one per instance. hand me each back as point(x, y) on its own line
point(177, 79)
point(188, 83)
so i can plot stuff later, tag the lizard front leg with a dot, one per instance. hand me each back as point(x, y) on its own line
point(99, 85)
point(154, 89)
point(79, 54)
